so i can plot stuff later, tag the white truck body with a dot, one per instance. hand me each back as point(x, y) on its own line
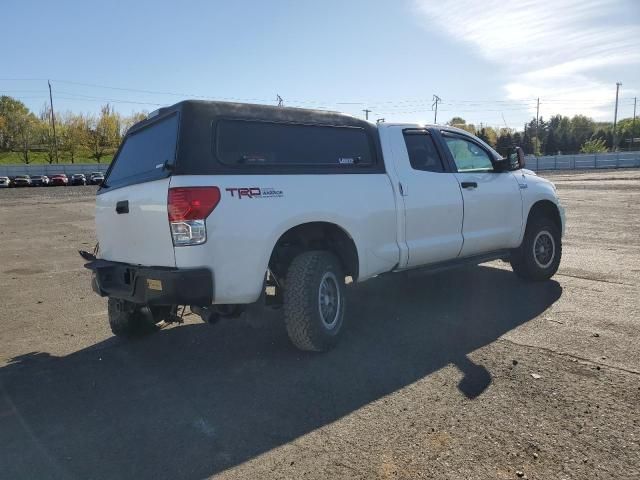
point(398, 218)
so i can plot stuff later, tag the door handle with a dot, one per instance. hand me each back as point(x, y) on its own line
point(122, 207)
point(469, 184)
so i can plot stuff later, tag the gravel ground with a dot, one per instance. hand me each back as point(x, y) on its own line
point(466, 374)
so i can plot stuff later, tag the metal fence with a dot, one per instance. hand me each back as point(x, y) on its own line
point(550, 162)
point(69, 169)
point(584, 161)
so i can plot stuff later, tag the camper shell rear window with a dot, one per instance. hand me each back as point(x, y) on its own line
point(146, 154)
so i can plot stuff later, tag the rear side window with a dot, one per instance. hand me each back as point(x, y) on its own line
point(242, 142)
point(422, 151)
point(144, 152)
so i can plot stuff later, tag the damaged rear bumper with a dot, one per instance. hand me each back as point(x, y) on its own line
point(152, 285)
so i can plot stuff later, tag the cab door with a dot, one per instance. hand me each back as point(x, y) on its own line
point(492, 199)
point(431, 197)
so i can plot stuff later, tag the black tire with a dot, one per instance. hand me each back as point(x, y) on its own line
point(538, 258)
point(128, 319)
point(314, 301)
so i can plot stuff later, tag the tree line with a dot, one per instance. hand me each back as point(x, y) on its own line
point(77, 135)
point(88, 136)
point(559, 135)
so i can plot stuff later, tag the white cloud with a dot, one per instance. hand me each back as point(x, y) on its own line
point(548, 48)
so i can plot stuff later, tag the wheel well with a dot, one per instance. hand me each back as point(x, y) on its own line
point(314, 236)
point(546, 208)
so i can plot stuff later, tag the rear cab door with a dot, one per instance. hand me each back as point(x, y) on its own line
point(428, 195)
point(131, 206)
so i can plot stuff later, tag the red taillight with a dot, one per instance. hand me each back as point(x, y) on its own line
point(192, 203)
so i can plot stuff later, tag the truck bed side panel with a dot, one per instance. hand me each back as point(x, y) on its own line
point(255, 211)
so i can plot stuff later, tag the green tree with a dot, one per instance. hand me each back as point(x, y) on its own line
point(606, 135)
point(628, 131)
point(582, 129)
point(131, 120)
point(551, 146)
point(75, 134)
point(517, 139)
point(488, 135)
point(104, 136)
point(46, 138)
point(505, 141)
point(461, 123)
point(26, 127)
point(594, 145)
point(12, 117)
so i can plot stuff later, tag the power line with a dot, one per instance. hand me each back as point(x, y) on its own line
point(414, 101)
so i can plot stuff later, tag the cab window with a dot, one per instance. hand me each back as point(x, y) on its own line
point(422, 152)
point(467, 155)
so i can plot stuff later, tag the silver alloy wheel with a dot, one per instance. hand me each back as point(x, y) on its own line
point(329, 300)
point(544, 249)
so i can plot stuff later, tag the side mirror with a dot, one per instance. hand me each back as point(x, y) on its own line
point(513, 161)
point(516, 158)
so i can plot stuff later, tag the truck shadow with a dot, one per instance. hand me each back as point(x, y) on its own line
point(194, 400)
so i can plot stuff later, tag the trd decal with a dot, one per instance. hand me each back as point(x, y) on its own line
point(254, 192)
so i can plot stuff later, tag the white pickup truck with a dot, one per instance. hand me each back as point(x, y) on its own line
point(217, 205)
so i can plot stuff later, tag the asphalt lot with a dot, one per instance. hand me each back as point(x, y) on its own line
point(433, 379)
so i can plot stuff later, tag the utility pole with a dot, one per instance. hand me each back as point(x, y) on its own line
point(53, 124)
point(537, 118)
point(633, 125)
point(615, 118)
point(366, 113)
point(280, 100)
point(436, 99)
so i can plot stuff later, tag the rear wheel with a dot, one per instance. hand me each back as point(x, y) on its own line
point(129, 319)
point(538, 258)
point(314, 300)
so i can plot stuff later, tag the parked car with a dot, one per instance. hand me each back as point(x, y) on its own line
point(290, 202)
point(39, 181)
point(22, 181)
point(5, 182)
point(59, 179)
point(78, 179)
point(96, 178)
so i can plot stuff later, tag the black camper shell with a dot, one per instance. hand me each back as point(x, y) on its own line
point(217, 138)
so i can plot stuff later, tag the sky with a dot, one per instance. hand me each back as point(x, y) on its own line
point(488, 61)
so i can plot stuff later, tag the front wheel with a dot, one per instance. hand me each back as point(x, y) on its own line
point(314, 301)
point(538, 258)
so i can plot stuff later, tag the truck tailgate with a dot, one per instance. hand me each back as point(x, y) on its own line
point(132, 224)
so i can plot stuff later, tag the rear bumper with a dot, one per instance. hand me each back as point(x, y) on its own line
point(152, 285)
